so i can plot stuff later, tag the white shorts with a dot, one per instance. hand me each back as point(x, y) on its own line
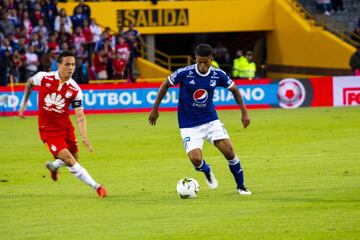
point(194, 137)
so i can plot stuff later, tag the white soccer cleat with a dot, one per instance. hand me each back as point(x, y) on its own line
point(243, 191)
point(54, 174)
point(211, 180)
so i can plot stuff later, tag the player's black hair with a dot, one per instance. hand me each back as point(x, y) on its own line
point(203, 50)
point(64, 54)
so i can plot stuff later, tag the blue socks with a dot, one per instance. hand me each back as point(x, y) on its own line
point(203, 167)
point(237, 171)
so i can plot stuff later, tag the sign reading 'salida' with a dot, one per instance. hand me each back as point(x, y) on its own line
point(153, 17)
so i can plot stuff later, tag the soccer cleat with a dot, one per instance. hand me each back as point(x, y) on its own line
point(101, 191)
point(211, 180)
point(54, 174)
point(243, 191)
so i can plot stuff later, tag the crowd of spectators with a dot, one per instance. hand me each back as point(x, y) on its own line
point(330, 6)
point(34, 32)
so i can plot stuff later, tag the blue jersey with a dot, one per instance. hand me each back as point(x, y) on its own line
point(196, 105)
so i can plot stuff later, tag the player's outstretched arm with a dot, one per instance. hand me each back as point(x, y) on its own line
point(28, 88)
point(239, 100)
point(154, 114)
point(81, 122)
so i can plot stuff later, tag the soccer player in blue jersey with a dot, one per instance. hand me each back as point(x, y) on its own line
point(197, 117)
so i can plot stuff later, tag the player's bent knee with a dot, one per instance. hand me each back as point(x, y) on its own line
point(195, 157)
point(67, 157)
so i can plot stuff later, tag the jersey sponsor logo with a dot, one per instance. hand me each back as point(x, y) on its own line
point(200, 96)
point(48, 85)
point(54, 102)
point(192, 82)
point(212, 83)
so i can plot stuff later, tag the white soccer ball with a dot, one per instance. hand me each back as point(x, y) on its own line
point(187, 188)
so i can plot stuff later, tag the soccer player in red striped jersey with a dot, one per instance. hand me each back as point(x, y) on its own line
point(57, 91)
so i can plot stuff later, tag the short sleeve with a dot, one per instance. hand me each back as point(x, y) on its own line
point(175, 78)
point(225, 80)
point(37, 78)
point(79, 96)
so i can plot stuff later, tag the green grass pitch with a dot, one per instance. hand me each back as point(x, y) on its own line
point(303, 167)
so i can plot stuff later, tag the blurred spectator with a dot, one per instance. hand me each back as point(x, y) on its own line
point(109, 57)
point(80, 75)
point(49, 8)
point(78, 18)
point(5, 67)
point(221, 54)
point(46, 61)
point(41, 28)
point(85, 9)
point(32, 62)
point(134, 39)
point(95, 30)
point(63, 19)
point(14, 18)
point(337, 5)
point(36, 14)
point(324, 6)
point(5, 46)
point(82, 54)
point(239, 64)
point(52, 43)
point(99, 62)
point(18, 63)
point(118, 66)
point(64, 37)
point(39, 46)
point(78, 38)
point(245, 67)
point(355, 62)
point(6, 25)
point(251, 66)
point(88, 44)
point(28, 26)
point(123, 48)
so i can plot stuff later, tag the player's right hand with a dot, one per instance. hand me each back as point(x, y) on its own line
point(153, 117)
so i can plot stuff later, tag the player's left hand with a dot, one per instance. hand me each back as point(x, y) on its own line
point(245, 120)
point(153, 117)
point(87, 144)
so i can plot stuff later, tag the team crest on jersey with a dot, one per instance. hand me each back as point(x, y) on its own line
point(200, 96)
point(68, 94)
point(212, 83)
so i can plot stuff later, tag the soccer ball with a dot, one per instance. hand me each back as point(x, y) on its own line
point(291, 93)
point(187, 188)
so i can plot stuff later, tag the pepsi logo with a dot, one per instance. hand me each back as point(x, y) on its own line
point(200, 96)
